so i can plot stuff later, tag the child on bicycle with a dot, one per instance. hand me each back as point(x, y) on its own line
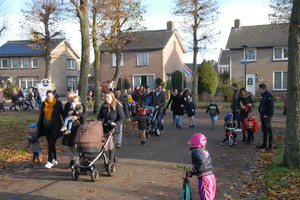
point(250, 125)
point(213, 112)
point(228, 126)
point(202, 167)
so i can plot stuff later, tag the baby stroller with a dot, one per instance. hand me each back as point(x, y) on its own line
point(151, 117)
point(23, 103)
point(91, 145)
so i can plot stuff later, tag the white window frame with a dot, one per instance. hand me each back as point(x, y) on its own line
point(282, 53)
point(33, 80)
point(72, 79)
point(38, 60)
point(146, 60)
point(114, 60)
point(22, 66)
point(2, 59)
point(280, 89)
point(255, 54)
point(12, 63)
point(70, 63)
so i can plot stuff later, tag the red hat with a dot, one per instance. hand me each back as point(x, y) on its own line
point(142, 110)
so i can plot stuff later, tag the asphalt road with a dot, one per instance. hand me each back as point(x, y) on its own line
point(143, 172)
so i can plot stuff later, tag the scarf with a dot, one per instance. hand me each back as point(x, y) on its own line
point(49, 108)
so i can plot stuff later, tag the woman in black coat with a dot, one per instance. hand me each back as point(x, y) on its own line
point(69, 140)
point(178, 109)
point(171, 101)
point(49, 125)
point(112, 116)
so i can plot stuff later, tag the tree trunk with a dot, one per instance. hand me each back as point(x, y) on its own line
point(118, 66)
point(195, 67)
point(82, 12)
point(97, 92)
point(47, 50)
point(292, 142)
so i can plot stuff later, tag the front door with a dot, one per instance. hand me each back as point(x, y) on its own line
point(250, 84)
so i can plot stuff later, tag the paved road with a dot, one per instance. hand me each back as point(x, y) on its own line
point(147, 172)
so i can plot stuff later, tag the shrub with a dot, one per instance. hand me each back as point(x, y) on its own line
point(177, 79)
point(226, 91)
point(126, 83)
point(208, 78)
point(9, 89)
point(169, 85)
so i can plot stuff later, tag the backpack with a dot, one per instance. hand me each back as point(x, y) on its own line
point(89, 137)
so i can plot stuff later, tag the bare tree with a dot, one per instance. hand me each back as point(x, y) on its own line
point(42, 18)
point(119, 16)
point(198, 16)
point(82, 11)
point(281, 11)
point(292, 142)
point(3, 18)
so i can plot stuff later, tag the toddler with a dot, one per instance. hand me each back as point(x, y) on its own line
point(202, 167)
point(213, 112)
point(190, 109)
point(250, 125)
point(228, 123)
point(75, 110)
point(35, 144)
point(142, 124)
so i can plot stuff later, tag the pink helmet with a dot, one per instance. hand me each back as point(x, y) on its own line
point(198, 140)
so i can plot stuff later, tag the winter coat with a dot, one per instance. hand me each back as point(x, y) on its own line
point(266, 106)
point(212, 109)
point(234, 105)
point(190, 109)
point(171, 101)
point(125, 106)
point(57, 122)
point(201, 161)
point(33, 142)
point(69, 140)
point(142, 122)
point(108, 116)
point(178, 102)
point(159, 100)
point(245, 99)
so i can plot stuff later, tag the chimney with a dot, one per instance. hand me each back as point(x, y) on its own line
point(170, 26)
point(237, 23)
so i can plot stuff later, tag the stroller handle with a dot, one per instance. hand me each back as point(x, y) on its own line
point(183, 167)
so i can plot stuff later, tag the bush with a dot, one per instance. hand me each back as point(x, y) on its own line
point(177, 79)
point(226, 91)
point(126, 83)
point(169, 85)
point(9, 89)
point(208, 78)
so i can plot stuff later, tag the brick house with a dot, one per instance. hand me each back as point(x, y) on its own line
point(23, 63)
point(149, 55)
point(265, 48)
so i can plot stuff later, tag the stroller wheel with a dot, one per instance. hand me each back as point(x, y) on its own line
point(94, 175)
point(111, 169)
point(75, 175)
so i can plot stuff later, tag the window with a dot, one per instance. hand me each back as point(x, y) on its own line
point(71, 64)
point(26, 82)
point(71, 82)
point(250, 81)
point(250, 54)
point(145, 80)
point(280, 53)
point(280, 80)
point(114, 60)
point(35, 63)
point(24, 63)
point(142, 59)
point(4, 63)
point(14, 63)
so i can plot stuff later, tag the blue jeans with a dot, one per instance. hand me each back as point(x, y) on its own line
point(192, 120)
point(178, 119)
point(236, 117)
point(213, 119)
point(67, 123)
point(158, 122)
point(119, 137)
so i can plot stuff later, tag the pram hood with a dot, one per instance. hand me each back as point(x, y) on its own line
point(198, 140)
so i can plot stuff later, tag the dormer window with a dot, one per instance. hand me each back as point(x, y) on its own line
point(280, 53)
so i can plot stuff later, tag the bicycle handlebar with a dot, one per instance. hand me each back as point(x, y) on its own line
point(183, 167)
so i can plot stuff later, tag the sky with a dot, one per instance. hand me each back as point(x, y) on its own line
point(252, 12)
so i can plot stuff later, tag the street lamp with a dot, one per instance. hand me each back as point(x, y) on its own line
point(245, 62)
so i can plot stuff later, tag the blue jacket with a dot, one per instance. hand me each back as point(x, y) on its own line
point(266, 106)
point(190, 109)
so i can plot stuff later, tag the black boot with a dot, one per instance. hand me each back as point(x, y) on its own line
point(244, 137)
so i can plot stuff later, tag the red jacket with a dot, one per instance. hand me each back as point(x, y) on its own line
point(251, 120)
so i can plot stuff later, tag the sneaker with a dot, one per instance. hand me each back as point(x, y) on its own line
point(143, 143)
point(49, 165)
point(118, 145)
point(63, 128)
point(212, 127)
point(68, 132)
point(54, 162)
point(222, 144)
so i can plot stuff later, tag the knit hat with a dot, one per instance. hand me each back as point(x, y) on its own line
point(32, 126)
point(142, 110)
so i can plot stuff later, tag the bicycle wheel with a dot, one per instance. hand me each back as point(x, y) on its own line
point(230, 140)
